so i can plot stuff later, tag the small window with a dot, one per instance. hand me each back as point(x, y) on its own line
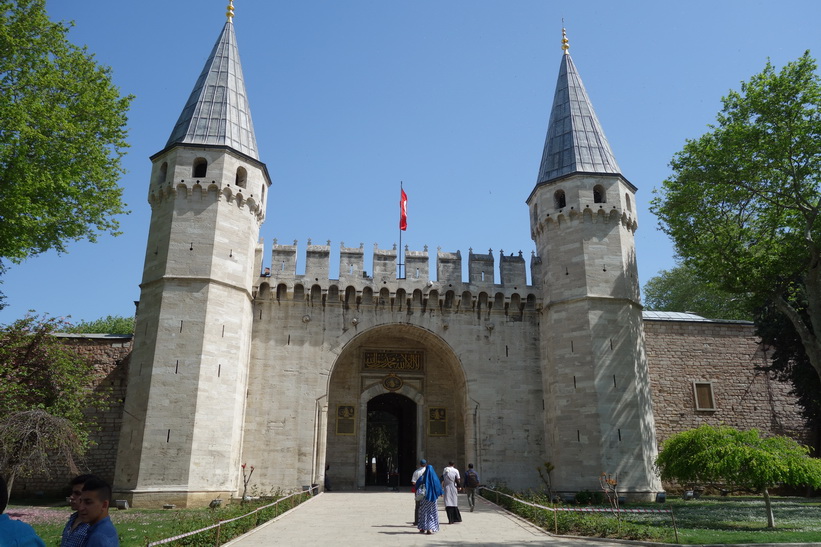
point(598, 194)
point(627, 201)
point(242, 177)
point(438, 422)
point(559, 200)
point(163, 173)
point(200, 167)
point(703, 392)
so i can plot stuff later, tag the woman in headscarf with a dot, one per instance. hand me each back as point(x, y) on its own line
point(428, 510)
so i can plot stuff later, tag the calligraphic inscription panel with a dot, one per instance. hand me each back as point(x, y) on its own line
point(399, 360)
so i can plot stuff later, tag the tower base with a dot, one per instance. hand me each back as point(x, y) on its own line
point(158, 499)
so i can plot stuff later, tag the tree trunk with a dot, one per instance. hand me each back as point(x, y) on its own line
point(769, 508)
point(811, 342)
point(10, 482)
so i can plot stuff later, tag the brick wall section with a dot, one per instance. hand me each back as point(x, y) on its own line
point(110, 357)
point(726, 354)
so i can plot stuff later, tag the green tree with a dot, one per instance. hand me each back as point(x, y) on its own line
point(110, 324)
point(62, 136)
point(723, 455)
point(682, 289)
point(743, 202)
point(45, 387)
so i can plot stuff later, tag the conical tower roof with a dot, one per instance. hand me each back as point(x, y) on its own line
point(575, 141)
point(217, 112)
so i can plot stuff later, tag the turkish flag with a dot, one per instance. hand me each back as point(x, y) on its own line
point(403, 211)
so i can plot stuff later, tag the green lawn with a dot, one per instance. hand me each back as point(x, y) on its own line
point(741, 520)
point(706, 520)
point(137, 527)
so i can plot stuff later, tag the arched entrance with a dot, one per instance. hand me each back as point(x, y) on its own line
point(390, 440)
point(396, 393)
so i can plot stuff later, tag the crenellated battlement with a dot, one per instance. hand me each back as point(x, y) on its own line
point(356, 286)
point(207, 191)
point(601, 215)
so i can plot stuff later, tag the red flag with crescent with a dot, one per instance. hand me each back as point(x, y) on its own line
point(403, 210)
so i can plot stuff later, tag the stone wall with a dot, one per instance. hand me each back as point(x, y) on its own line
point(109, 354)
point(482, 365)
point(726, 355)
point(679, 353)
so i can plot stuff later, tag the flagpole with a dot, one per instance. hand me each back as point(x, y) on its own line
point(401, 263)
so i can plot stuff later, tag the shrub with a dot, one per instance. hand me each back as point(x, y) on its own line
point(586, 497)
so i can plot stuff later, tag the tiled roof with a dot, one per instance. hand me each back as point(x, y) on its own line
point(93, 335)
point(217, 111)
point(688, 317)
point(575, 141)
point(671, 316)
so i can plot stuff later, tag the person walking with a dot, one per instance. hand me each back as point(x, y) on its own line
point(414, 478)
point(428, 490)
point(471, 483)
point(451, 484)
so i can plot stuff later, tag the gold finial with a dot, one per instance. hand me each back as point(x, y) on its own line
point(565, 42)
point(230, 12)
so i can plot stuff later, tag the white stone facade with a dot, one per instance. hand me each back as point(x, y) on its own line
point(366, 374)
point(480, 362)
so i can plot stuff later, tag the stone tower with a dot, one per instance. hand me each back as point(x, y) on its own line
point(185, 404)
point(598, 410)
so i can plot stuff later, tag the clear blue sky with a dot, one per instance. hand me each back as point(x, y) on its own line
point(452, 97)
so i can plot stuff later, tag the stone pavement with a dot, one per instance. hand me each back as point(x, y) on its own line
point(379, 517)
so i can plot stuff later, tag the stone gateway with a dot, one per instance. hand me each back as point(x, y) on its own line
point(365, 375)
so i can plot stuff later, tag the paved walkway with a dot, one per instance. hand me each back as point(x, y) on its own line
point(386, 518)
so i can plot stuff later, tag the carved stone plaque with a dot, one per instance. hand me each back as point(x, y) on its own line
point(437, 422)
point(392, 382)
point(345, 422)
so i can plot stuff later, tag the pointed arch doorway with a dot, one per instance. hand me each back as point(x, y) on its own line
point(401, 385)
point(390, 440)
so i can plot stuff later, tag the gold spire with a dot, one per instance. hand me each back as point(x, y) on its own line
point(565, 42)
point(230, 12)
